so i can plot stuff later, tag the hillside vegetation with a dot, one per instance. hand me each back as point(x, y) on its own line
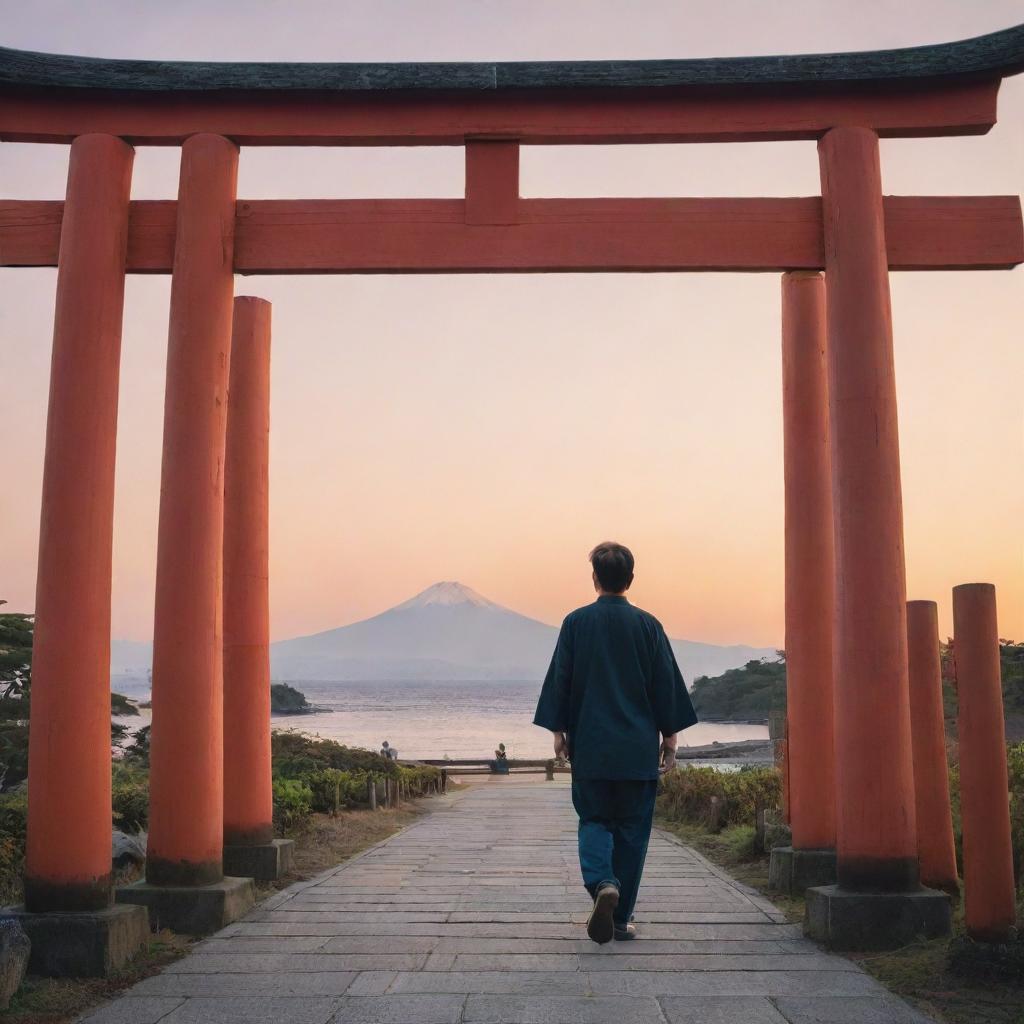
point(745, 694)
point(749, 693)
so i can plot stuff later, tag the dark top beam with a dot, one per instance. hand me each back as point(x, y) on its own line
point(990, 56)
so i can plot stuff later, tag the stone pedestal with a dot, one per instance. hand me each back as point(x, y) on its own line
point(83, 944)
point(843, 919)
point(794, 871)
point(192, 910)
point(266, 863)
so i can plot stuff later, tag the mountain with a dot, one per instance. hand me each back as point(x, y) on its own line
point(448, 632)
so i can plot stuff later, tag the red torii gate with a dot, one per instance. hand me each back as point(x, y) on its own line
point(843, 475)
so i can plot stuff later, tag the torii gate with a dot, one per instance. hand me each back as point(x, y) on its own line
point(843, 473)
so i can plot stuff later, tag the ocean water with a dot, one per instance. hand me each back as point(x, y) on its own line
point(435, 719)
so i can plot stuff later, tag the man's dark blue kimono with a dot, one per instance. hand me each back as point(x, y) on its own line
point(615, 689)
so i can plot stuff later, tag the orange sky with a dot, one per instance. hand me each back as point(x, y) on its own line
point(491, 429)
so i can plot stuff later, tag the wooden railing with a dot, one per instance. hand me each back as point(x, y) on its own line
point(486, 766)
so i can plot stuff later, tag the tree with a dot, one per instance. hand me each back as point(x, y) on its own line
point(16, 634)
point(15, 684)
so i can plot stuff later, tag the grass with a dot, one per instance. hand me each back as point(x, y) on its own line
point(325, 843)
point(919, 973)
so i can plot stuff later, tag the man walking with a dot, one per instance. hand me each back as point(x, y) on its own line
point(615, 700)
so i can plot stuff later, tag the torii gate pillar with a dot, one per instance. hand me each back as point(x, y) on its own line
point(810, 591)
point(185, 887)
point(68, 915)
point(878, 902)
point(250, 849)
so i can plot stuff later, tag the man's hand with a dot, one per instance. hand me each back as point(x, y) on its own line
point(668, 752)
point(561, 747)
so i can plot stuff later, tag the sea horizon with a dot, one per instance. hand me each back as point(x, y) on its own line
point(431, 718)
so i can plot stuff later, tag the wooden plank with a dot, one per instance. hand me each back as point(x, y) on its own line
point(552, 235)
point(431, 235)
point(589, 116)
point(953, 232)
point(30, 232)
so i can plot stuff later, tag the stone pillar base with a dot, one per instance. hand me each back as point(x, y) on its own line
point(266, 863)
point(794, 871)
point(82, 944)
point(192, 910)
point(843, 919)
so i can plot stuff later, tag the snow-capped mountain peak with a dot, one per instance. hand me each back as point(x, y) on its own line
point(448, 592)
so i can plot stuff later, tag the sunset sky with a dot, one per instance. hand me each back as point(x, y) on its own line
point(491, 429)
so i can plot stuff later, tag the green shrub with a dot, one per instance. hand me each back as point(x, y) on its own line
point(293, 804)
point(337, 776)
point(419, 779)
point(13, 819)
point(704, 796)
point(294, 754)
point(333, 790)
point(129, 797)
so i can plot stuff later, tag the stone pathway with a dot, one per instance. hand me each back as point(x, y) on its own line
point(475, 914)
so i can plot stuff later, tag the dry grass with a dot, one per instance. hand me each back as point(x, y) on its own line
point(327, 842)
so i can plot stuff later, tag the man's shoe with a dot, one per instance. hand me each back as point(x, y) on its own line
point(601, 926)
point(626, 933)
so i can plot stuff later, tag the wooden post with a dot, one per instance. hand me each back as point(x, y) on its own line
point(989, 907)
point(248, 792)
point(810, 567)
point(371, 788)
point(186, 835)
point(68, 845)
point(492, 182)
point(876, 835)
point(935, 845)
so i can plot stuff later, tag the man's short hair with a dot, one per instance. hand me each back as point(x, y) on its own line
point(613, 566)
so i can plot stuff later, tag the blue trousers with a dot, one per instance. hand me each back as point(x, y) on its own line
point(615, 828)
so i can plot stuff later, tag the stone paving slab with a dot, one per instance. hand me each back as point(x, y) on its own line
point(474, 915)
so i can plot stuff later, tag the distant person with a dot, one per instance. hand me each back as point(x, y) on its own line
point(500, 765)
point(615, 700)
point(388, 752)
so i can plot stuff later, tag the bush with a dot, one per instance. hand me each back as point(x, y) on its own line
point(714, 799)
point(294, 754)
point(337, 776)
point(420, 779)
point(334, 790)
point(293, 805)
point(13, 819)
point(129, 797)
